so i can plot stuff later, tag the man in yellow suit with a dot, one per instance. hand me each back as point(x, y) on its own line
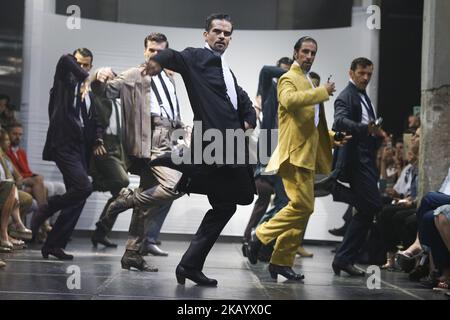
point(304, 149)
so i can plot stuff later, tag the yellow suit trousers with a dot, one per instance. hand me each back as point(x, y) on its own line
point(289, 224)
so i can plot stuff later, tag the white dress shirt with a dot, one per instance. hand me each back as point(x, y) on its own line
point(115, 115)
point(445, 188)
point(365, 118)
point(228, 77)
point(164, 110)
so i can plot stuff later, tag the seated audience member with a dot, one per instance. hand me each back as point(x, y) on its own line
point(392, 218)
point(7, 116)
point(434, 236)
point(32, 183)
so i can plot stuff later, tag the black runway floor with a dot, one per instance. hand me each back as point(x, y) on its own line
point(28, 276)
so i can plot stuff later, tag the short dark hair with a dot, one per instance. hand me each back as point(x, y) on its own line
point(157, 37)
point(15, 124)
point(85, 53)
point(5, 97)
point(314, 75)
point(217, 16)
point(302, 40)
point(361, 62)
point(284, 60)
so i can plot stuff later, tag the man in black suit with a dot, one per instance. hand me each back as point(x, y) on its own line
point(69, 144)
point(356, 162)
point(219, 103)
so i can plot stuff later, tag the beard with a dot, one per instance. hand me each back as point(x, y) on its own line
point(306, 67)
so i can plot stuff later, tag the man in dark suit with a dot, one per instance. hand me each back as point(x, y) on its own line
point(356, 162)
point(108, 166)
point(69, 143)
point(219, 103)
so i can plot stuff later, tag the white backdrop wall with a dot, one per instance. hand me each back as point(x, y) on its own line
point(120, 46)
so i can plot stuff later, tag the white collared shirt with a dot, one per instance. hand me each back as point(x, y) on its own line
point(165, 111)
point(445, 188)
point(365, 119)
point(317, 106)
point(228, 77)
point(112, 128)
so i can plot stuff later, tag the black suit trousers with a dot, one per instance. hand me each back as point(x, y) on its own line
point(367, 200)
point(71, 161)
point(223, 182)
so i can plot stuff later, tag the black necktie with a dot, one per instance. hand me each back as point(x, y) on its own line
point(368, 105)
point(80, 107)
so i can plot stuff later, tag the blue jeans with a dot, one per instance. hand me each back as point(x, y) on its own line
point(431, 201)
point(155, 223)
point(430, 236)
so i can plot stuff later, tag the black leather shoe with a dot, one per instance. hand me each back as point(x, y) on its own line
point(339, 232)
point(132, 259)
point(153, 249)
point(244, 249)
point(284, 271)
point(253, 248)
point(196, 276)
point(323, 188)
point(56, 252)
point(349, 268)
point(98, 237)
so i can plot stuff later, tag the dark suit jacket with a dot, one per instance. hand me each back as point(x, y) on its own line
point(269, 100)
point(64, 127)
point(347, 118)
point(202, 73)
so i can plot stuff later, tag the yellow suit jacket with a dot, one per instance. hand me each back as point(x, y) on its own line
point(300, 142)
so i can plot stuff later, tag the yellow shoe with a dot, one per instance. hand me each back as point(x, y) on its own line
point(303, 253)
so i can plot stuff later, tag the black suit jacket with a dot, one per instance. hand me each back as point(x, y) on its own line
point(347, 118)
point(202, 73)
point(64, 126)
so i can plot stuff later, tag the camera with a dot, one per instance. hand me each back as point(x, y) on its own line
point(339, 136)
point(379, 122)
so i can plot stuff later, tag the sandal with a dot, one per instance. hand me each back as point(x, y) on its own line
point(408, 255)
point(442, 286)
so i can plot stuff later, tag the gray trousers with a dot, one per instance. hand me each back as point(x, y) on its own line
point(155, 189)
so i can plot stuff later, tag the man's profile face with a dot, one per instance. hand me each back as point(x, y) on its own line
point(84, 62)
point(153, 48)
point(16, 134)
point(361, 76)
point(306, 55)
point(219, 36)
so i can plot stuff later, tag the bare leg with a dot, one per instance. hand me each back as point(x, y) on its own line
point(5, 214)
point(443, 226)
point(37, 189)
